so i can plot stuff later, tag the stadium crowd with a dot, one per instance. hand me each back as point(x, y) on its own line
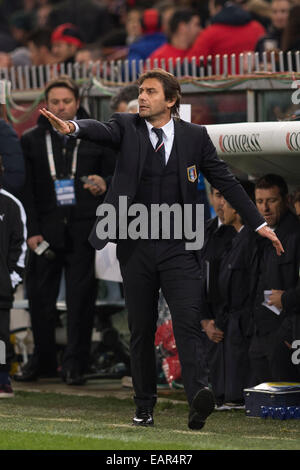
point(39, 32)
point(251, 302)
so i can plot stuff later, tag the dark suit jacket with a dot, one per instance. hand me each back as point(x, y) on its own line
point(129, 134)
point(278, 272)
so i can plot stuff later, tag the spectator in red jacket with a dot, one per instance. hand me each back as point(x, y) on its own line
point(184, 27)
point(232, 30)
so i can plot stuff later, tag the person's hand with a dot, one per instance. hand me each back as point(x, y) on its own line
point(268, 233)
point(34, 241)
point(98, 187)
point(275, 298)
point(214, 334)
point(64, 127)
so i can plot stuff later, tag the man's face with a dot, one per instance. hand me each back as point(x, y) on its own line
point(229, 214)
point(61, 102)
point(62, 50)
point(192, 29)
point(83, 56)
point(166, 16)
point(279, 13)
point(122, 107)
point(212, 8)
point(35, 54)
point(152, 102)
point(133, 24)
point(297, 208)
point(270, 204)
point(217, 201)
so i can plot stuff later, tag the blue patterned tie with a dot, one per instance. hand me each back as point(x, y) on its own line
point(160, 148)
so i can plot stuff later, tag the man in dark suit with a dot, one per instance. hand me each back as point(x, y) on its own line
point(160, 158)
point(268, 350)
point(55, 163)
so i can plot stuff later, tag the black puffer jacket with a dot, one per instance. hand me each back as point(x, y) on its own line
point(44, 216)
point(12, 246)
point(12, 159)
point(278, 272)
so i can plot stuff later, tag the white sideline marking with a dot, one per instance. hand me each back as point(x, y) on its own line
point(41, 418)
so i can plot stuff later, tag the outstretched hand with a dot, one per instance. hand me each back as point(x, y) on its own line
point(268, 233)
point(64, 127)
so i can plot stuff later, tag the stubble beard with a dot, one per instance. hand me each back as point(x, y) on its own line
point(150, 116)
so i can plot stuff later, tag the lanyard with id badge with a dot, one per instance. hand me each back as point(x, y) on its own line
point(64, 188)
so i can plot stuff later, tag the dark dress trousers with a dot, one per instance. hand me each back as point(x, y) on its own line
point(147, 265)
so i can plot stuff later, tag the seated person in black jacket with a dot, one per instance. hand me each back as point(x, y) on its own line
point(228, 350)
point(289, 301)
point(12, 256)
point(282, 274)
point(287, 350)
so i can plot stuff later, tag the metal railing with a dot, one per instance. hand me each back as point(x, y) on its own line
point(122, 72)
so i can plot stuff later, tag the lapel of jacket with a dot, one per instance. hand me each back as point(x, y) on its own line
point(180, 140)
point(143, 144)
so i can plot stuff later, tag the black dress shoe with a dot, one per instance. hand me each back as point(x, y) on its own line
point(32, 374)
point(143, 417)
point(32, 370)
point(202, 406)
point(27, 375)
point(73, 377)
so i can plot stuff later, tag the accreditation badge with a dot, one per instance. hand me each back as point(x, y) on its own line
point(65, 192)
point(192, 173)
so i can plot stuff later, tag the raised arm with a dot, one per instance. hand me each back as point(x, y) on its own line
point(64, 127)
point(106, 133)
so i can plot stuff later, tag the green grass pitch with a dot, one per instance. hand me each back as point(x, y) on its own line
point(52, 421)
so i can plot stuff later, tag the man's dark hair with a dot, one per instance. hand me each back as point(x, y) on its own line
point(40, 37)
point(248, 187)
point(180, 16)
point(296, 196)
point(221, 3)
point(126, 94)
point(64, 81)
point(94, 50)
point(271, 180)
point(170, 85)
